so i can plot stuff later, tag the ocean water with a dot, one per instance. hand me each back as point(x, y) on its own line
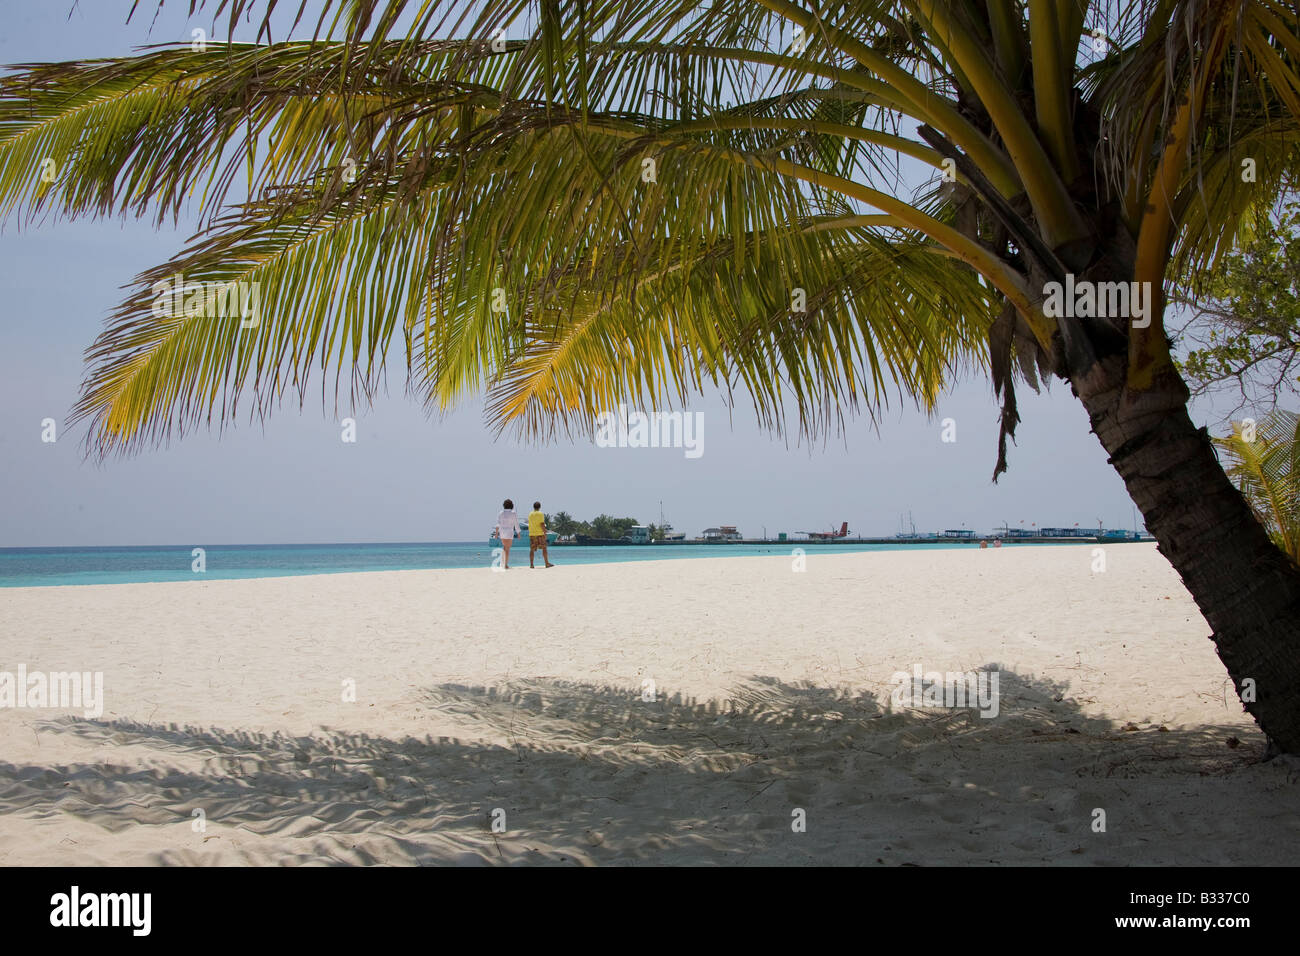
point(28, 567)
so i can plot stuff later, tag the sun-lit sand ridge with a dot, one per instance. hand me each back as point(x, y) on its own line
point(523, 692)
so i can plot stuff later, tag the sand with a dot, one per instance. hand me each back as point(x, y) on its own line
point(716, 711)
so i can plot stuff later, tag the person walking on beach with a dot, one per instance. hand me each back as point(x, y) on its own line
point(537, 535)
point(507, 527)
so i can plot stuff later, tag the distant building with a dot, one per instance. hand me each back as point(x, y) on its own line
point(726, 532)
point(638, 534)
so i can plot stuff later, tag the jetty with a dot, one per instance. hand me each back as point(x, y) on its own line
point(920, 539)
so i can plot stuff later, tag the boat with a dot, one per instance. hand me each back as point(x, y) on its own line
point(668, 533)
point(1117, 535)
point(495, 542)
point(1006, 531)
point(637, 534)
point(907, 535)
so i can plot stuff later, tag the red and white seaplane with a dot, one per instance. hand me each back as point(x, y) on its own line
point(829, 535)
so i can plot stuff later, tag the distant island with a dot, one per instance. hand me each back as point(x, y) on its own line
point(605, 527)
point(607, 530)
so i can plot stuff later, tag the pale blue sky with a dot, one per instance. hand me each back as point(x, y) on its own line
point(411, 479)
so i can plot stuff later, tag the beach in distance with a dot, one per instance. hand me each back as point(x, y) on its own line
point(713, 710)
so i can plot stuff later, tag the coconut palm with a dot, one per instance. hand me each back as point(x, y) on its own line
point(562, 523)
point(1263, 458)
point(813, 208)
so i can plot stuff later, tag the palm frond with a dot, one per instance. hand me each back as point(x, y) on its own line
point(1263, 458)
point(276, 291)
point(840, 317)
point(572, 204)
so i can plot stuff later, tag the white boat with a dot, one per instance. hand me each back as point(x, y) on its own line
point(668, 533)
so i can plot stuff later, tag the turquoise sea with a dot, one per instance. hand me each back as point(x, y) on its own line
point(28, 567)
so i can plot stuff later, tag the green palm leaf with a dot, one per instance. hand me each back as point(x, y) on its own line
point(619, 200)
point(1264, 460)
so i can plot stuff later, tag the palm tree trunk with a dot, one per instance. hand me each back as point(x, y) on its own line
point(1248, 590)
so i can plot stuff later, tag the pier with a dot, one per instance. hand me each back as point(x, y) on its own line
point(834, 542)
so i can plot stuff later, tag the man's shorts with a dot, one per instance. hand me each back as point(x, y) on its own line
point(537, 540)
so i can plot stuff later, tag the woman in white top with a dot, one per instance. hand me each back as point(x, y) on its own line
point(507, 527)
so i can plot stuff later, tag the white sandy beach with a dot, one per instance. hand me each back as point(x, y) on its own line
point(772, 695)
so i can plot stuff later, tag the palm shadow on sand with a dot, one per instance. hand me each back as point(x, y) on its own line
point(580, 773)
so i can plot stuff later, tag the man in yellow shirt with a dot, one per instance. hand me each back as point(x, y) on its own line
point(537, 534)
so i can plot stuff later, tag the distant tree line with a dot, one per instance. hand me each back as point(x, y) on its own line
point(601, 526)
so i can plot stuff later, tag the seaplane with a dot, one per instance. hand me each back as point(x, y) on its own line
point(829, 535)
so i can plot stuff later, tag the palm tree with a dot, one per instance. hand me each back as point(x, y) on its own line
point(1264, 460)
point(572, 205)
point(563, 523)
